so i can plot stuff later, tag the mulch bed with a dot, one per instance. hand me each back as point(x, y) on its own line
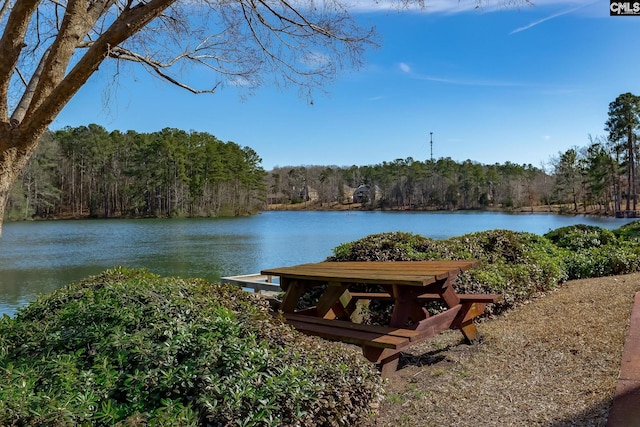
point(552, 362)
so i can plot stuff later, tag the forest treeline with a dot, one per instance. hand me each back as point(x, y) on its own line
point(89, 172)
point(582, 179)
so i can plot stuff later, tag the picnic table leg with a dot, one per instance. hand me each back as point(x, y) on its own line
point(464, 320)
point(385, 358)
point(389, 367)
point(470, 332)
point(448, 294)
point(406, 309)
point(329, 305)
point(294, 291)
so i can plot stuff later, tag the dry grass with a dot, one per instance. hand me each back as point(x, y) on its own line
point(552, 362)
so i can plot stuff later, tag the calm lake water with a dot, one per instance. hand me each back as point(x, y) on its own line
point(38, 257)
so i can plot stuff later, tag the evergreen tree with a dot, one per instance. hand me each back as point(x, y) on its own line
point(622, 125)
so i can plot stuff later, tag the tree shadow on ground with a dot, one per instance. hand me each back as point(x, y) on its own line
point(420, 358)
point(621, 411)
point(594, 416)
point(428, 358)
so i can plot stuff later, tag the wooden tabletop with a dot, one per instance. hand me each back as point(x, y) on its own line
point(413, 273)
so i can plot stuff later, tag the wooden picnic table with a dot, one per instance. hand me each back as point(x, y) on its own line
point(409, 285)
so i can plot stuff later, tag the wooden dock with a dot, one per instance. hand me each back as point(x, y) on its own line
point(256, 282)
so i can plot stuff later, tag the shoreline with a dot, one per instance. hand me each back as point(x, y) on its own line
point(335, 206)
point(563, 210)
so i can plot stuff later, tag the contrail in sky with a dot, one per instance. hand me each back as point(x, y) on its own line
point(540, 21)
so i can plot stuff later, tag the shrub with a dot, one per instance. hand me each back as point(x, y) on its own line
point(590, 251)
point(581, 236)
point(603, 261)
point(396, 246)
point(629, 231)
point(131, 348)
point(516, 264)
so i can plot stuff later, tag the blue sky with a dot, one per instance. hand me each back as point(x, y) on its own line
point(493, 84)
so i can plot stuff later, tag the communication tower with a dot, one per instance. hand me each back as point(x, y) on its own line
point(431, 144)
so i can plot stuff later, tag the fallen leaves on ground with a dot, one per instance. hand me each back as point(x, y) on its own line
point(552, 362)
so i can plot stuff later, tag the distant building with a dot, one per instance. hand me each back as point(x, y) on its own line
point(278, 198)
point(364, 194)
point(308, 194)
point(312, 194)
point(347, 194)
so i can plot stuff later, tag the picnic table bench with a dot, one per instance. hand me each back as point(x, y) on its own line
point(407, 284)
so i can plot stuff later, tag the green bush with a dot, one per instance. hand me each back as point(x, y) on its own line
point(520, 264)
point(605, 260)
point(629, 231)
point(131, 348)
point(396, 246)
point(590, 251)
point(579, 237)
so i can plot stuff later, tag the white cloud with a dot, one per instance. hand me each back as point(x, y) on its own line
point(240, 81)
point(405, 68)
point(315, 59)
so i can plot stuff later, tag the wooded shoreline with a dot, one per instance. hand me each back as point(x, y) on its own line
point(555, 209)
point(89, 172)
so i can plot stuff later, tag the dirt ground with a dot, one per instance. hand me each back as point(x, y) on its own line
point(552, 362)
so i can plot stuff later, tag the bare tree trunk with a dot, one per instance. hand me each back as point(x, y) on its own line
point(6, 180)
point(12, 162)
point(632, 159)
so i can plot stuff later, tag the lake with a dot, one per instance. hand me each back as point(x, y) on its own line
point(38, 257)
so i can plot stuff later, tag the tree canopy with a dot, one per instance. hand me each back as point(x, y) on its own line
point(87, 171)
point(623, 125)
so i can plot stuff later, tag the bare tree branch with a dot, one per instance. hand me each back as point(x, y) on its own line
point(21, 77)
point(79, 18)
point(11, 44)
point(128, 23)
point(5, 7)
point(156, 66)
point(27, 96)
